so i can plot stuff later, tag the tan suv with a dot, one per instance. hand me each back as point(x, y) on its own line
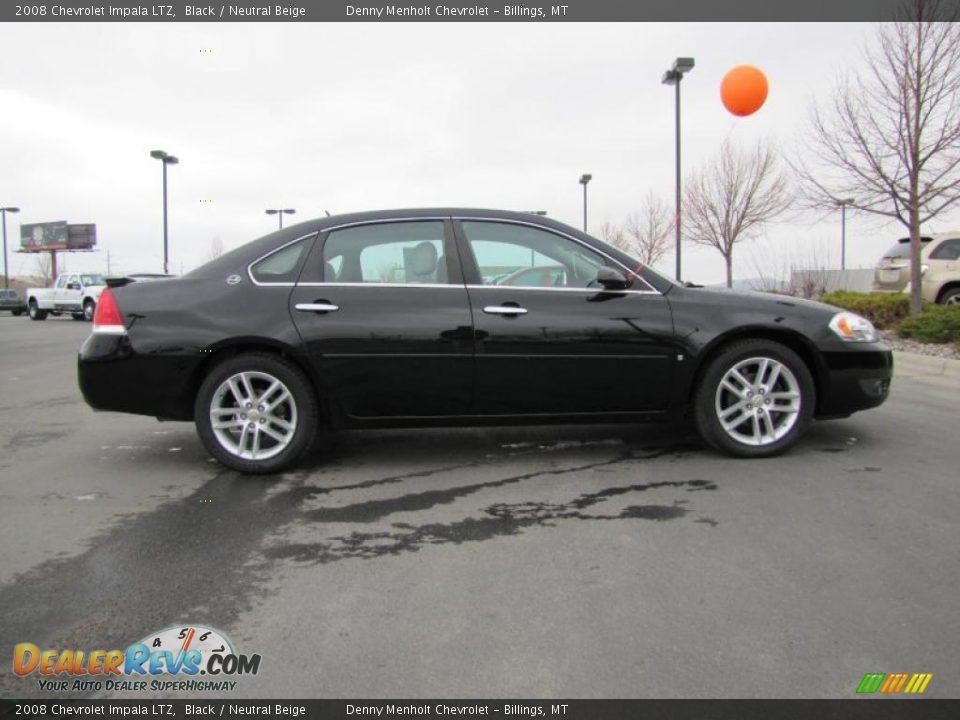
point(939, 263)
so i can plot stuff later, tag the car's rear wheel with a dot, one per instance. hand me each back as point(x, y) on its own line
point(256, 413)
point(35, 312)
point(755, 399)
point(89, 306)
point(951, 297)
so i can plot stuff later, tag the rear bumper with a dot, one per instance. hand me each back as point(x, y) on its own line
point(855, 380)
point(113, 377)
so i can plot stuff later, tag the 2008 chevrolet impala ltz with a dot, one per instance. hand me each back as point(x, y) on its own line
point(403, 318)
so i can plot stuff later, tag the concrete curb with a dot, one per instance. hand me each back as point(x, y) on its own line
point(913, 365)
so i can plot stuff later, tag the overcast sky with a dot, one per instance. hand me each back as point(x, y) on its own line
point(356, 116)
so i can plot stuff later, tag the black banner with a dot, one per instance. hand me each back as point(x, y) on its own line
point(477, 11)
point(515, 709)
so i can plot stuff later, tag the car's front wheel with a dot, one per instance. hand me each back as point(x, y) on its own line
point(755, 399)
point(256, 413)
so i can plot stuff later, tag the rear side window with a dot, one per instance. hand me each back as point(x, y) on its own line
point(387, 253)
point(283, 265)
point(948, 250)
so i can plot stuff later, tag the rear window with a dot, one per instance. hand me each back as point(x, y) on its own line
point(902, 248)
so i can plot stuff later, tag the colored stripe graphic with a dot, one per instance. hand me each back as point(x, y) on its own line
point(918, 683)
point(894, 683)
point(908, 683)
point(871, 682)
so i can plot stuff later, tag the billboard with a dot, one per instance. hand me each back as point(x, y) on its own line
point(38, 237)
point(81, 237)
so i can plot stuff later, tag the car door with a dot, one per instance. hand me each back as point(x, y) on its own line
point(555, 342)
point(67, 292)
point(383, 312)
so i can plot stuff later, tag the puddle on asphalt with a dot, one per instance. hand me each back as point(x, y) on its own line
point(202, 557)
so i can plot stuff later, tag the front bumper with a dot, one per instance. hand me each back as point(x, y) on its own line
point(855, 379)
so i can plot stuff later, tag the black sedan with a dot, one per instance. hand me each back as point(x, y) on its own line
point(392, 318)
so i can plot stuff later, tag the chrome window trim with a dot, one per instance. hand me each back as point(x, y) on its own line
point(592, 291)
point(505, 221)
point(273, 252)
point(458, 286)
point(430, 218)
point(454, 286)
point(443, 218)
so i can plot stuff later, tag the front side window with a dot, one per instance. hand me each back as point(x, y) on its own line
point(281, 266)
point(395, 253)
point(87, 280)
point(523, 256)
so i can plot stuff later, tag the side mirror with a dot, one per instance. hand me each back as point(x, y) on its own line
point(73, 286)
point(612, 279)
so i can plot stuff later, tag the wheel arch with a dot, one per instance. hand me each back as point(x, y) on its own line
point(945, 288)
point(797, 342)
point(223, 351)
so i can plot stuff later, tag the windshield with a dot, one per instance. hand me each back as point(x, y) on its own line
point(91, 279)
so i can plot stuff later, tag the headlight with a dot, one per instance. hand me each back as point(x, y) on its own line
point(853, 328)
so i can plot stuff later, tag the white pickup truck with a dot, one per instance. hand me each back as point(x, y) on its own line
point(74, 293)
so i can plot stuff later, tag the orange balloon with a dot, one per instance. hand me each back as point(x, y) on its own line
point(744, 90)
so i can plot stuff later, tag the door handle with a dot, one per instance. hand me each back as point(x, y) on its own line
point(320, 306)
point(505, 310)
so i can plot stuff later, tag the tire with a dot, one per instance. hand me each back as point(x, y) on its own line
point(751, 425)
point(17, 313)
point(89, 307)
point(282, 436)
point(78, 316)
point(35, 312)
point(951, 297)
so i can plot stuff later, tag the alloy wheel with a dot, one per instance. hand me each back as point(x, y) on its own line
point(758, 401)
point(253, 415)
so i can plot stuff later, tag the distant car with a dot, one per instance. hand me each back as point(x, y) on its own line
point(939, 263)
point(10, 301)
point(540, 276)
point(385, 319)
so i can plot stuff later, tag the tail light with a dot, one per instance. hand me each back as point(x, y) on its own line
point(107, 319)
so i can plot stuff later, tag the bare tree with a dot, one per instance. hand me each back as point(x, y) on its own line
point(613, 234)
point(733, 197)
point(215, 249)
point(890, 137)
point(44, 268)
point(644, 234)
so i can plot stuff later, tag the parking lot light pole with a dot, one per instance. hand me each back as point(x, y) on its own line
point(584, 179)
point(280, 212)
point(166, 159)
point(6, 274)
point(673, 76)
point(843, 230)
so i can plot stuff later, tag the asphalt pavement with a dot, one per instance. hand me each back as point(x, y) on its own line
point(547, 562)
